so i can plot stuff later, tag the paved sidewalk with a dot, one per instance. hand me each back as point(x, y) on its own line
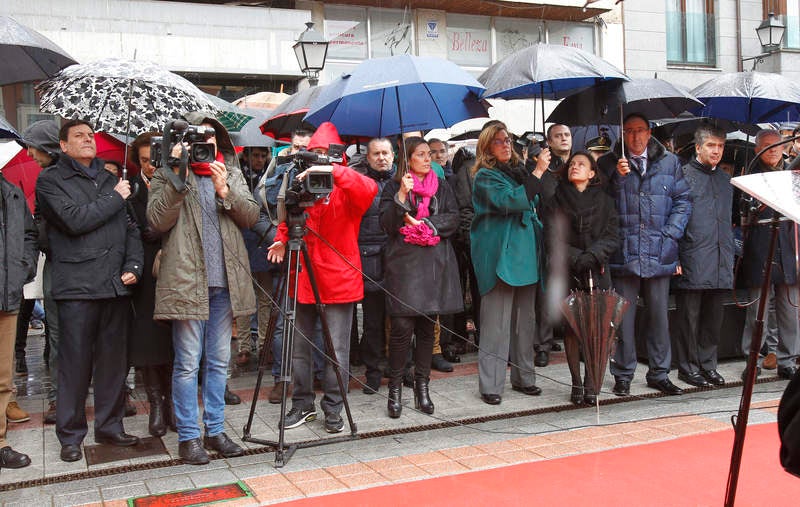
point(521, 429)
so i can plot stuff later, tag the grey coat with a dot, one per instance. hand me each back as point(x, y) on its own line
point(706, 248)
point(17, 245)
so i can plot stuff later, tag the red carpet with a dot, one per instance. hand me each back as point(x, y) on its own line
point(685, 471)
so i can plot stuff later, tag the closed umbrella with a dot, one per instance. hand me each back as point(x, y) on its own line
point(26, 55)
point(594, 316)
point(385, 96)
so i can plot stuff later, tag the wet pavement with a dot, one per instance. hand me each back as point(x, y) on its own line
point(383, 450)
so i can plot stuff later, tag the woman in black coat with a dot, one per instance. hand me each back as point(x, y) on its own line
point(419, 213)
point(150, 343)
point(589, 234)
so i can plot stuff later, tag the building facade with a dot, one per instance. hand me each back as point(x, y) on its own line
point(232, 49)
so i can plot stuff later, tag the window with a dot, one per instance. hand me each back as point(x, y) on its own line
point(391, 32)
point(469, 40)
point(690, 32)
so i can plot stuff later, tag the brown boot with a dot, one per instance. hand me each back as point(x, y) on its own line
point(277, 392)
point(15, 414)
point(50, 415)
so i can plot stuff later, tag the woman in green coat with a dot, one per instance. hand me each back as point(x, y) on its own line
point(505, 236)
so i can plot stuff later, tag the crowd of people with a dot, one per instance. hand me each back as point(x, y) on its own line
point(170, 265)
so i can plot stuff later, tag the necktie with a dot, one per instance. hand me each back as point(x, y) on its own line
point(641, 162)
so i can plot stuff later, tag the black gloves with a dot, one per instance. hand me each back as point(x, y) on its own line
point(585, 262)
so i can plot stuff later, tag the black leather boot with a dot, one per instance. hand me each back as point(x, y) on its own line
point(155, 397)
point(395, 398)
point(422, 399)
point(165, 373)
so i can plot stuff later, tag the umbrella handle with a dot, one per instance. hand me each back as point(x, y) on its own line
point(591, 281)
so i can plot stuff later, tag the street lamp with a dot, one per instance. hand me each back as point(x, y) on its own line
point(311, 49)
point(770, 34)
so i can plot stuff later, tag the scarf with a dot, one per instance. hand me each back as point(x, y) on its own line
point(204, 168)
point(380, 175)
point(516, 173)
point(425, 188)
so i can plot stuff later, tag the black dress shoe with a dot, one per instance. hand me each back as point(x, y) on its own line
point(439, 363)
point(71, 452)
point(542, 358)
point(491, 399)
point(787, 372)
point(121, 439)
point(371, 386)
point(223, 445)
point(622, 387)
point(713, 377)
point(9, 458)
point(231, 398)
point(529, 390)
point(666, 386)
point(694, 379)
point(191, 452)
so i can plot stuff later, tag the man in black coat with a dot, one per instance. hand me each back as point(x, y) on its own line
point(706, 259)
point(18, 256)
point(783, 282)
point(372, 243)
point(96, 256)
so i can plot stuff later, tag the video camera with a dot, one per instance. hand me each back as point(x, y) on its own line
point(318, 181)
point(180, 131)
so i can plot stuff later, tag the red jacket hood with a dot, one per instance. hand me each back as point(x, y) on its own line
point(325, 135)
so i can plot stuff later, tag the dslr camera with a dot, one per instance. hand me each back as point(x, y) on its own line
point(179, 131)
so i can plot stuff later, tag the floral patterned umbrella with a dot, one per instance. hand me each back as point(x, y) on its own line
point(122, 96)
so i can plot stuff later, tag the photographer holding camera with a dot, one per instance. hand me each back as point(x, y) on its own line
point(204, 278)
point(333, 222)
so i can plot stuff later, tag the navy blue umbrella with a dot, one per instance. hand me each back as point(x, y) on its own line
point(749, 97)
point(385, 96)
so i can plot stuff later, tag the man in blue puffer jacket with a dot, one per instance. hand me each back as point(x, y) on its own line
point(653, 201)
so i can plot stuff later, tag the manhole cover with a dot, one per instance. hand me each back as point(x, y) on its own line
point(149, 446)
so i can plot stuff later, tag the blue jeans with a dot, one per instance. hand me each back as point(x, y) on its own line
point(191, 339)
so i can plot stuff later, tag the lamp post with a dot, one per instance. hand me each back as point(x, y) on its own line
point(311, 49)
point(770, 34)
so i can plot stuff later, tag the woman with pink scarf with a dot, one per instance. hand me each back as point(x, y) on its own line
point(419, 213)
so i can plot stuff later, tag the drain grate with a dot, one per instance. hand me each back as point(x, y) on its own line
point(98, 454)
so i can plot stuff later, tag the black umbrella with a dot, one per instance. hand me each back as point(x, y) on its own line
point(594, 316)
point(26, 55)
point(610, 102)
point(250, 133)
point(7, 131)
point(749, 97)
point(288, 116)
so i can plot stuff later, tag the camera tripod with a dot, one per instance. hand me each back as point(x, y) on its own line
point(296, 245)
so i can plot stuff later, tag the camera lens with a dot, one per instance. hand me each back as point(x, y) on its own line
point(203, 152)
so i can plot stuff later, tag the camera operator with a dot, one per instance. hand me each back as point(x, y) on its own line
point(783, 283)
point(203, 281)
point(336, 219)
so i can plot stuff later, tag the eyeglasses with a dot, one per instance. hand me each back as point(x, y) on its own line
point(500, 142)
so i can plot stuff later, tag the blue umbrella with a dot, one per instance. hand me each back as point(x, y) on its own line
point(385, 96)
point(749, 97)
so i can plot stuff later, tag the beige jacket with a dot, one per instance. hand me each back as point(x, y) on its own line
point(182, 285)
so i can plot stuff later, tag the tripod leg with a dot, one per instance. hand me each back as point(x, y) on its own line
point(328, 340)
point(262, 357)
